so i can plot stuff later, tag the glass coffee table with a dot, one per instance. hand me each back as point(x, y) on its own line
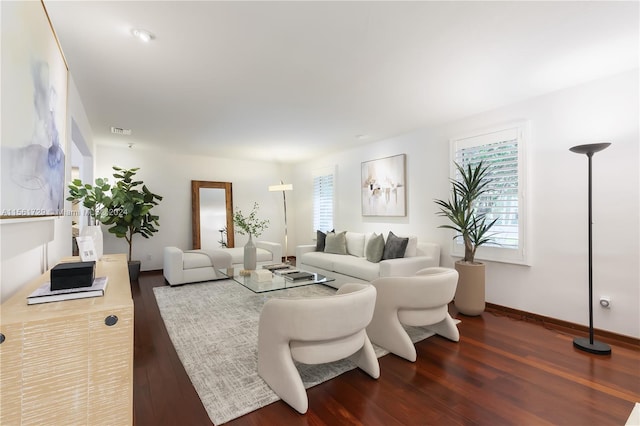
point(277, 282)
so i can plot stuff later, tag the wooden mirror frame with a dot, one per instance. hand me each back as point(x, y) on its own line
point(195, 209)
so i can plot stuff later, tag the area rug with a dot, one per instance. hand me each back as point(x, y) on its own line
point(214, 329)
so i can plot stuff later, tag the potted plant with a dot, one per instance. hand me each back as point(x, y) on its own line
point(129, 209)
point(94, 198)
point(252, 226)
point(473, 227)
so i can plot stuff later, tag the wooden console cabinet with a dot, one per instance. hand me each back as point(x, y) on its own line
point(61, 363)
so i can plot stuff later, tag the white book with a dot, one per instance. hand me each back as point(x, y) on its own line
point(44, 294)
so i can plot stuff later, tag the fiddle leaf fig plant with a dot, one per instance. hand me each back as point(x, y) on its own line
point(460, 209)
point(93, 197)
point(129, 207)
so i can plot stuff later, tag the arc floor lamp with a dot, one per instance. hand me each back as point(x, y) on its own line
point(284, 187)
point(583, 343)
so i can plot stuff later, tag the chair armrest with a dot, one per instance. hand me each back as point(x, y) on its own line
point(173, 265)
point(405, 266)
point(302, 249)
point(274, 248)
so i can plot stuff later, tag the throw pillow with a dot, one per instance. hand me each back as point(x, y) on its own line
point(355, 244)
point(336, 243)
point(320, 239)
point(375, 248)
point(394, 247)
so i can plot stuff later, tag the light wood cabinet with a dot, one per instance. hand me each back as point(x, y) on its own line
point(60, 363)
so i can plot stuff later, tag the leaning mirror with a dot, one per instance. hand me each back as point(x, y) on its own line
point(211, 214)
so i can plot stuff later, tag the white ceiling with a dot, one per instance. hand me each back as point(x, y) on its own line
point(290, 80)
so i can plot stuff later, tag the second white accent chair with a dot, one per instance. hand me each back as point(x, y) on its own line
point(419, 300)
point(314, 330)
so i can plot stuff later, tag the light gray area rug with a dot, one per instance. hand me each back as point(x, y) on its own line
point(214, 329)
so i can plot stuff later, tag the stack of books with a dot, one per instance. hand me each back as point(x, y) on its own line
point(298, 276)
point(276, 266)
point(44, 294)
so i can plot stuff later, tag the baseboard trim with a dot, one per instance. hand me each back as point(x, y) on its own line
point(564, 326)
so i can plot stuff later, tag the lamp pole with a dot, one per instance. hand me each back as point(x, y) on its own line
point(582, 343)
point(283, 187)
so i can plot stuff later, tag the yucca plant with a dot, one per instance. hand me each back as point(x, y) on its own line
point(469, 225)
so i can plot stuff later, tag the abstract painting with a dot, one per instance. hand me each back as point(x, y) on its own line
point(34, 114)
point(383, 187)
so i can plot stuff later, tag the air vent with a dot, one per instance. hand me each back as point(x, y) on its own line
point(120, 131)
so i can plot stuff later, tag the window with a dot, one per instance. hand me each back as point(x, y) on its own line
point(503, 149)
point(323, 180)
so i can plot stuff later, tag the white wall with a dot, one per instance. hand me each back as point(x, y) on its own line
point(29, 248)
point(169, 174)
point(556, 285)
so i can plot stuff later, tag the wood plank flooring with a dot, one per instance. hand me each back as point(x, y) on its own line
point(502, 372)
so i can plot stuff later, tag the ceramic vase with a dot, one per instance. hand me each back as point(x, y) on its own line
point(250, 255)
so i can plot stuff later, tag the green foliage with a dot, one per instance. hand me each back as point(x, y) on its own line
point(461, 212)
point(129, 208)
point(94, 198)
point(249, 224)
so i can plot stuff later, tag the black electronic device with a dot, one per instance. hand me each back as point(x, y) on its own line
point(72, 275)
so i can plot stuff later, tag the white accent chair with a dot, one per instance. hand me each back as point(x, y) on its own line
point(314, 330)
point(181, 267)
point(419, 300)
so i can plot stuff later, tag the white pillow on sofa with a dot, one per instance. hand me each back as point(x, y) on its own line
point(355, 243)
point(412, 245)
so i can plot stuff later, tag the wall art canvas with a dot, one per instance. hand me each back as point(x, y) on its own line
point(384, 189)
point(34, 110)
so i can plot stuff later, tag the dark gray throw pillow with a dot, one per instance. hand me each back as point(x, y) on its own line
point(336, 243)
point(375, 248)
point(394, 247)
point(320, 239)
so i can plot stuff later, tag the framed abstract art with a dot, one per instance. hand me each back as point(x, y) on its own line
point(383, 186)
point(34, 114)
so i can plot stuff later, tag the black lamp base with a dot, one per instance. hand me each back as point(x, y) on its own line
point(598, 348)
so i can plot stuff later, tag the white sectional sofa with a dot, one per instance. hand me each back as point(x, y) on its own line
point(190, 266)
point(354, 266)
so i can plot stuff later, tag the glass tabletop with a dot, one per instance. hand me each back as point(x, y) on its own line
point(277, 281)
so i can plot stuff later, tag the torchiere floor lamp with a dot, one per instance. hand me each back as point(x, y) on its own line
point(283, 187)
point(583, 343)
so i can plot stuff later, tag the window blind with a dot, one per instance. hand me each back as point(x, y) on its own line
point(323, 201)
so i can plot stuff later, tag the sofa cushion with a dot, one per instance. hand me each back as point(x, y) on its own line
point(336, 243)
point(195, 259)
point(394, 247)
point(412, 245)
point(237, 255)
point(321, 260)
point(375, 248)
point(357, 267)
point(355, 243)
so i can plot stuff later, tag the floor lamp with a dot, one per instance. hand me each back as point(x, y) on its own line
point(583, 343)
point(284, 187)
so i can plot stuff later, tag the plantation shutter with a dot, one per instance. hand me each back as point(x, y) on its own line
point(323, 181)
point(501, 150)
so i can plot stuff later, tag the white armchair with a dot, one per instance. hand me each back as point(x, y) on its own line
point(314, 330)
point(419, 300)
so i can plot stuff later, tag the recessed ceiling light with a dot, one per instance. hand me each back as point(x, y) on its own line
point(142, 35)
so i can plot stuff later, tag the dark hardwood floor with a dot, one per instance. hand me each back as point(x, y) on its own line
point(502, 372)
